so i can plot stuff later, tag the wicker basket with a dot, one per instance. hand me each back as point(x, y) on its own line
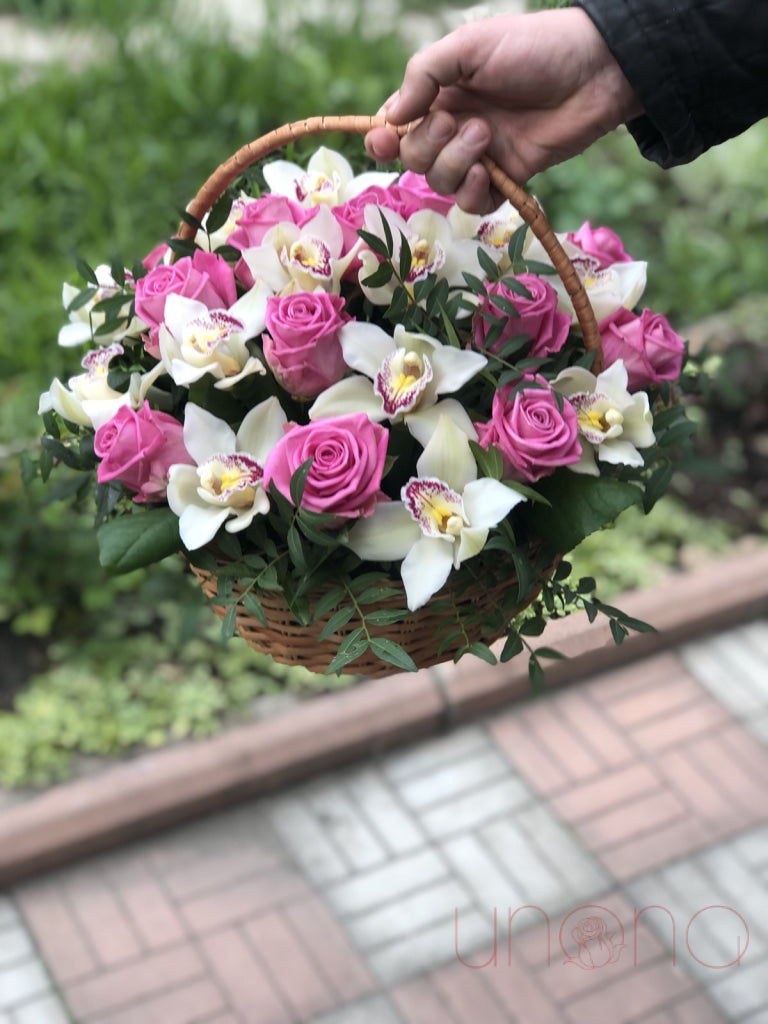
point(482, 590)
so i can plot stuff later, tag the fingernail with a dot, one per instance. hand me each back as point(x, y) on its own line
point(475, 133)
point(390, 107)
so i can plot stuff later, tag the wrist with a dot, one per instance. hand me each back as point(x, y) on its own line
point(614, 99)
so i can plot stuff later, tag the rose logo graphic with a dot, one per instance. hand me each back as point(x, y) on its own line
point(597, 947)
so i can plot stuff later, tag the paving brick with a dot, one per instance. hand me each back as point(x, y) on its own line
point(468, 996)
point(382, 885)
point(633, 820)
point(739, 695)
point(427, 948)
point(301, 985)
point(611, 790)
point(192, 1002)
point(714, 756)
point(470, 810)
point(528, 755)
point(633, 679)
point(399, 830)
point(376, 1010)
point(101, 918)
point(415, 912)
point(761, 1017)
point(328, 946)
point(420, 1003)
point(737, 884)
point(204, 873)
point(702, 795)
point(490, 885)
point(242, 977)
point(752, 847)
point(439, 750)
point(56, 932)
point(15, 945)
point(242, 900)
point(647, 852)
point(696, 1009)
point(152, 916)
point(678, 728)
point(526, 862)
point(21, 982)
point(741, 990)
point(588, 722)
point(447, 782)
point(45, 1010)
point(522, 994)
point(636, 992)
point(654, 702)
point(301, 833)
point(557, 736)
point(8, 912)
point(344, 825)
point(578, 869)
point(121, 987)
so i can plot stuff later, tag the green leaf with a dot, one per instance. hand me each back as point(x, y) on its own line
point(375, 244)
point(386, 616)
point(81, 299)
point(253, 606)
point(512, 647)
point(336, 621)
point(299, 481)
point(578, 506)
point(405, 258)
point(482, 651)
point(393, 654)
point(133, 541)
point(86, 271)
point(377, 593)
point(350, 648)
point(219, 213)
point(489, 460)
point(328, 602)
point(229, 623)
point(517, 244)
point(550, 652)
point(381, 276)
point(533, 627)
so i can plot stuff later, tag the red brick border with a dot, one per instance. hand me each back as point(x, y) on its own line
point(165, 787)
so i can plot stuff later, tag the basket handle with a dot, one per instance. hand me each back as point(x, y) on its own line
point(353, 124)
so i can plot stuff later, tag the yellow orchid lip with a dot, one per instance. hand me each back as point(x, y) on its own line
point(230, 480)
point(401, 381)
point(436, 507)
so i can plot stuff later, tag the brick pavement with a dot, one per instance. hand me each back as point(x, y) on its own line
point(600, 853)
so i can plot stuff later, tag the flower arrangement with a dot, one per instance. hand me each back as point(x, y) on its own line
point(366, 417)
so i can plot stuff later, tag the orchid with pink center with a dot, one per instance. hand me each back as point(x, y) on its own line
point(84, 321)
point(213, 240)
point(399, 379)
point(195, 341)
point(88, 399)
point(226, 487)
point(328, 179)
point(443, 518)
point(614, 422)
point(434, 250)
point(302, 259)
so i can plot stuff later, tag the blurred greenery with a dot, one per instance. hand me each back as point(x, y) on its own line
point(97, 163)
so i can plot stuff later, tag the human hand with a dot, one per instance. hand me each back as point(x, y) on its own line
point(530, 90)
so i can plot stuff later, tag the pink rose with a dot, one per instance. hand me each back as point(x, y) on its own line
point(413, 193)
point(302, 347)
point(602, 243)
point(203, 276)
point(138, 448)
point(351, 215)
point(651, 350)
point(349, 454)
point(539, 319)
point(158, 255)
point(532, 432)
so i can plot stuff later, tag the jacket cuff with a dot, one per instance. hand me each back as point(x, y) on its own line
point(638, 37)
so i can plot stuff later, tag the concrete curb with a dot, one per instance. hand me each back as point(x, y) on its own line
point(168, 786)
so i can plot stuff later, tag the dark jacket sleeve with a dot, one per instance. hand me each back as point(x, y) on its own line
point(699, 67)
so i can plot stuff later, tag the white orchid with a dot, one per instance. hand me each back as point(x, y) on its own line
point(434, 250)
point(225, 488)
point(302, 259)
point(613, 422)
point(84, 321)
point(195, 341)
point(493, 231)
point(87, 398)
point(328, 179)
point(609, 288)
point(403, 377)
point(220, 236)
point(443, 518)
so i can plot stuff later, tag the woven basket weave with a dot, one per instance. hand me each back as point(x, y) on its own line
point(480, 600)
